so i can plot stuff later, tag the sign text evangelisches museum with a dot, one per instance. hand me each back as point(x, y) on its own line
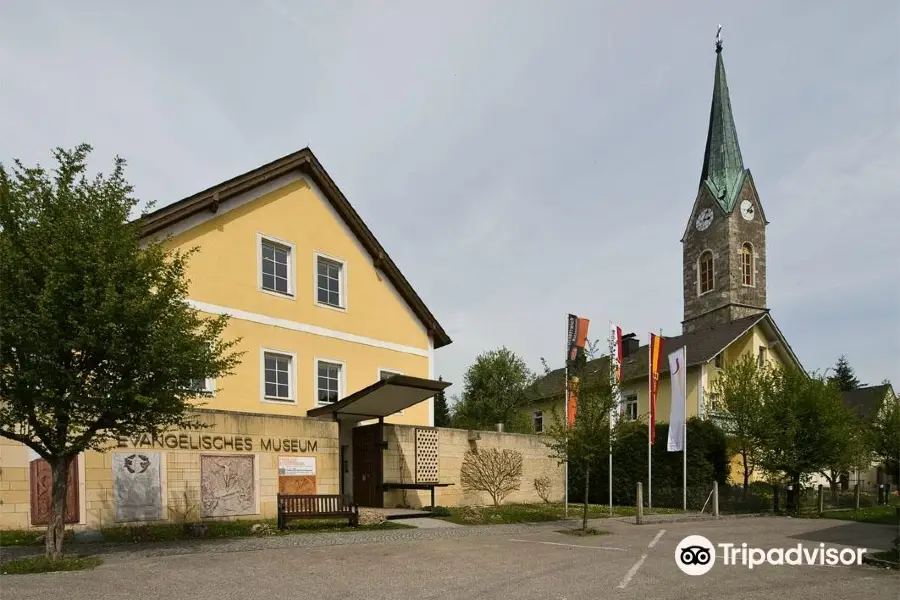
point(206, 441)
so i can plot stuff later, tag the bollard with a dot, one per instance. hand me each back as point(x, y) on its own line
point(856, 497)
point(639, 515)
point(821, 499)
point(880, 500)
point(716, 499)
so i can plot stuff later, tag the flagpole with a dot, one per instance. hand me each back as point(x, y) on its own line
point(612, 377)
point(684, 465)
point(566, 403)
point(649, 421)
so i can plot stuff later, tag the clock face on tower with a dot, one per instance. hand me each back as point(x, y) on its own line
point(747, 210)
point(704, 219)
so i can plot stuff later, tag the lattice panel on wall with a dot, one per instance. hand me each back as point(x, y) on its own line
point(426, 456)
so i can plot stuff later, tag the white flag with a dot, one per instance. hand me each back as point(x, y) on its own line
point(677, 374)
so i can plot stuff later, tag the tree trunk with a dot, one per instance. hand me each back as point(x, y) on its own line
point(56, 527)
point(746, 475)
point(584, 512)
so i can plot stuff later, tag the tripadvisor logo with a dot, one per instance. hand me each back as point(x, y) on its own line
point(696, 555)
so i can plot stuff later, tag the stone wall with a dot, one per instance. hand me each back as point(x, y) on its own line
point(400, 466)
point(229, 469)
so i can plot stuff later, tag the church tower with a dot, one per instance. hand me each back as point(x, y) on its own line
point(724, 243)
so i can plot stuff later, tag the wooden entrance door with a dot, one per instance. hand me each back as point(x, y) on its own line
point(367, 466)
point(42, 492)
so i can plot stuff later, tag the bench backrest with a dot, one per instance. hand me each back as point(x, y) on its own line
point(314, 503)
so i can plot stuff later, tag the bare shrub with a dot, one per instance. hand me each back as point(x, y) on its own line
point(542, 487)
point(497, 472)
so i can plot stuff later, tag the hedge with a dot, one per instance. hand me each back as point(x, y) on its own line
point(707, 461)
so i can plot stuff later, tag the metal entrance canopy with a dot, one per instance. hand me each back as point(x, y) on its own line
point(381, 399)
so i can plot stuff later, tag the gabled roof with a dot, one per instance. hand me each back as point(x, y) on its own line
point(723, 166)
point(305, 162)
point(866, 401)
point(702, 346)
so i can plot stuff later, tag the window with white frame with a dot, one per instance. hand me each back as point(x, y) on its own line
point(631, 408)
point(328, 387)
point(278, 373)
point(762, 356)
point(538, 421)
point(204, 386)
point(330, 282)
point(275, 267)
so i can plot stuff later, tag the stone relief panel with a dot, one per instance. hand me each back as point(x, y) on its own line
point(227, 486)
point(137, 486)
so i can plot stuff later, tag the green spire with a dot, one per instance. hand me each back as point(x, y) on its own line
point(723, 168)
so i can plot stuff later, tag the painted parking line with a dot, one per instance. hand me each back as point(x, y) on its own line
point(637, 566)
point(571, 545)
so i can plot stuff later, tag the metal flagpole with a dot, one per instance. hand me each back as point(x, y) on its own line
point(566, 401)
point(616, 399)
point(684, 424)
point(650, 421)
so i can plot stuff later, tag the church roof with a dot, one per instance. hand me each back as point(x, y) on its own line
point(702, 346)
point(723, 167)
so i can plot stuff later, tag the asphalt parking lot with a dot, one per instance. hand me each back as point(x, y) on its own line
point(494, 562)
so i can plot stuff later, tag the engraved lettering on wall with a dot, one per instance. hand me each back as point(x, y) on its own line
point(136, 486)
point(227, 486)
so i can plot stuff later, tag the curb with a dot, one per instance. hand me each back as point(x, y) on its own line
point(879, 562)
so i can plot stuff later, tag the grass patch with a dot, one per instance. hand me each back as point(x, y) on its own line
point(533, 513)
point(29, 537)
point(883, 515)
point(582, 532)
point(41, 564)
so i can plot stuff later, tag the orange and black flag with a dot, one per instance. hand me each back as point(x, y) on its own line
point(576, 339)
point(655, 354)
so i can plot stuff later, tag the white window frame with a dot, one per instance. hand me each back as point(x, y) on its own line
point(629, 401)
point(538, 414)
point(292, 374)
point(342, 282)
point(712, 275)
point(762, 356)
point(291, 267)
point(380, 371)
point(209, 389)
point(342, 379)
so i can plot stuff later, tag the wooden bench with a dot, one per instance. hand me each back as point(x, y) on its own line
point(316, 506)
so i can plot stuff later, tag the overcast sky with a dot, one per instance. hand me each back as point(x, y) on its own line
point(519, 160)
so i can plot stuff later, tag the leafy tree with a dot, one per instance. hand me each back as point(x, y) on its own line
point(441, 409)
point(805, 423)
point(885, 435)
point(494, 391)
point(851, 450)
point(96, 337)
point(587, 441)
point(738, 395)
point(844, 376)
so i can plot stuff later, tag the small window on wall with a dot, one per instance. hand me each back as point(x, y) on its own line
point(538, 421)
point(720, 360)
point(747, 265)
point(275, 267)
point(761, 356)
point(328, 387)
point(278, 377)
point(330, 286)
point(705, 272)
point(631, 408)
point(203, 386)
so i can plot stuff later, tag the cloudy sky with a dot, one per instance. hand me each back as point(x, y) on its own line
point(519, 159)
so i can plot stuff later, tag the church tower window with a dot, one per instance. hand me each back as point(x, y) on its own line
point(706, 272)
point(747, 264)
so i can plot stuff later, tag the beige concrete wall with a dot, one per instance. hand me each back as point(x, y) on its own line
point(262, 437)
point(400, 464)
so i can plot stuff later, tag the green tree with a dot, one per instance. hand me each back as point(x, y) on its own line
point(737, 396)
point(850, 450)
point(885, 435)
point(586, 442)
point(494, 391)
point(844, 376)
point(441, 409)
point(805, 423)
point(96, 337)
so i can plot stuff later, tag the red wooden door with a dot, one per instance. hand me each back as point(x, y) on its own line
point(42, 492)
